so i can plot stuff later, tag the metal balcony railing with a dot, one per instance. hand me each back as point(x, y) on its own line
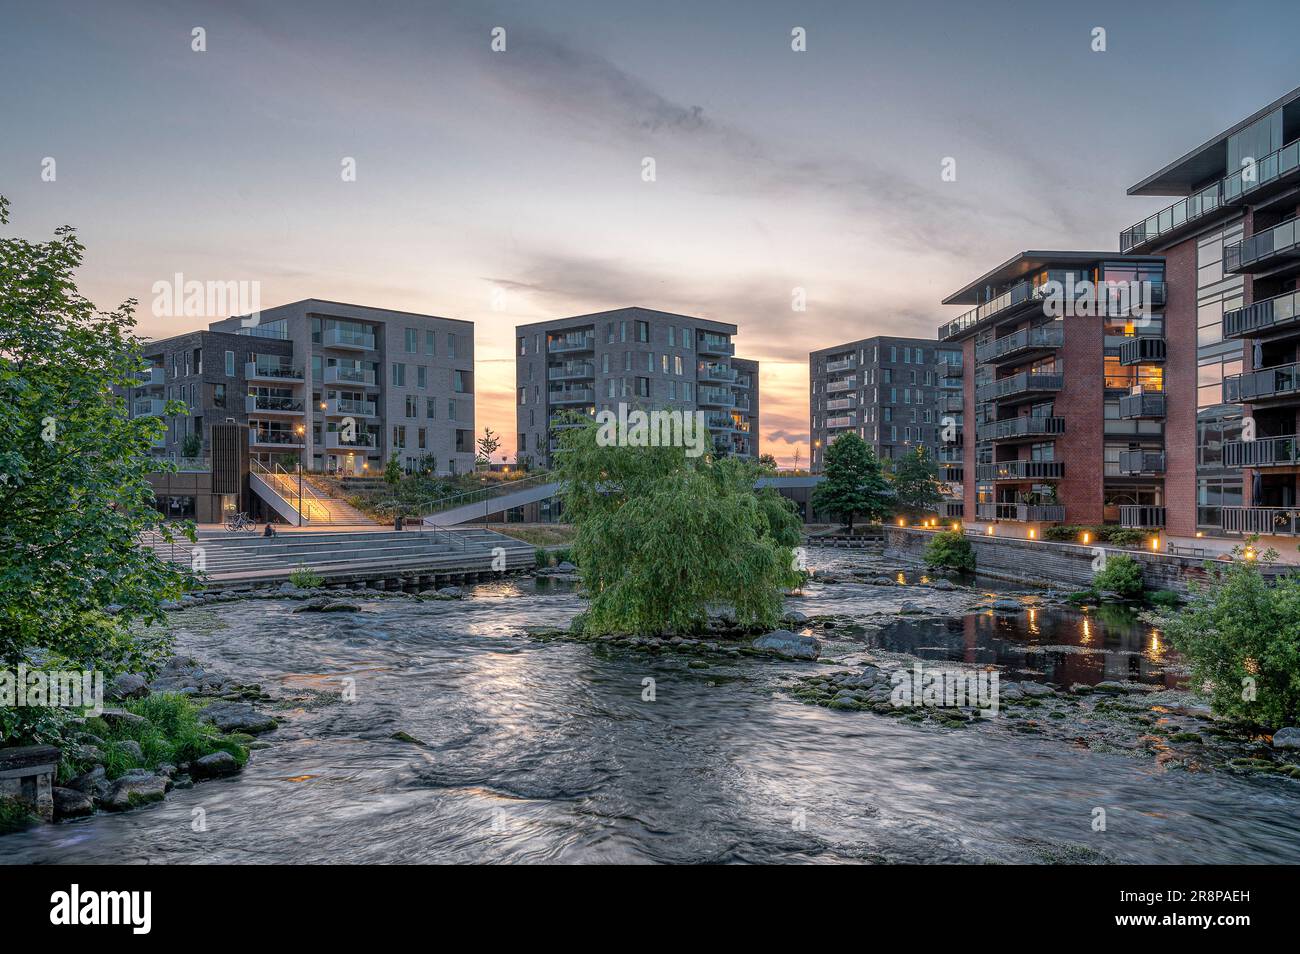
point(1264, 248)
point(1141, 462)
point(1268, 521)
point(1139, 516)
point(1019, 385)
point(1014, 428)
point(1021, 470)
point(1262, 316)
point(1142, 404)
point(1024, 513)
point(1142, 349)
point(1283, 451)
point(1038, 338)
point(1265, 383)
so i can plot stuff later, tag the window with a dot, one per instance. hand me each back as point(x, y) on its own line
point(459, 382)
point(663, 363)
point(643, 332)
point(643, 387)
point(422, 377)
point(604, 363)
point(412, 406)
point(451, 345)
point(429, 411)
point(230, 364)
point(431, 343)
point(677, 364)
point(219, 393)
point(399, 375)
point(523, 396)
point(399, 436)
point(412, 340)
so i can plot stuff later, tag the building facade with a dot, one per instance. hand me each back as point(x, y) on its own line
point(896, 394)
point(1232, 250)
point(340, 387)
point(1064, 396)
point(637, 357)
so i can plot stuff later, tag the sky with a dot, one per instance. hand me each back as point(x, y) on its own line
point(507, 187)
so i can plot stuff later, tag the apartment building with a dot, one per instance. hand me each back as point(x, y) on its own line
point(1065, 352)
point(634, 356)
point(896, 393)
point(1232, 249)
point(341, 387)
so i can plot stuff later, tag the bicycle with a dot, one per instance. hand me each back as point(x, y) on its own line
point(240, 521)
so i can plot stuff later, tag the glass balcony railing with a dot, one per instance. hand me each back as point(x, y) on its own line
point(348, 338)
point(713, 344)
point(842, 420)
point(272, 370)
point(335, 407)
point(1038, 338)
point(571, 343)
point(342, 374)
point(719, 397)
point(255, 403)
point(1263, 248)
point(1280, 164)
point(1142, 404)
point(571, 370)
point(571, 396)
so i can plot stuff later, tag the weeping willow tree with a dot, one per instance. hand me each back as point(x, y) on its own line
point(661, 537)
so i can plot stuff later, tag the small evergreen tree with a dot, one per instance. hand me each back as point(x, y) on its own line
point(915, 481)
point(393, 471)
point(854, 484)
point(487, 445)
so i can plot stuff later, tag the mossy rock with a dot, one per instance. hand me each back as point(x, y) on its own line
point(1185, 737)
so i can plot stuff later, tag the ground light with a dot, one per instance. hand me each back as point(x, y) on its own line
point(1032, 534)
point(989, 531)
point(1155, 543)
point(1087, 538)
point(1250, 553)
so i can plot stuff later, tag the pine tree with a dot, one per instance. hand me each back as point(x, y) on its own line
point(916, 482)
point(853, 484)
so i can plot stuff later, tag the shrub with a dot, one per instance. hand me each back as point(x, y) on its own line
point(1125, 536)
point(1167, 599)
point(14, 815)
point(1122, 574)
point(950, 550)
point(306, 578)
point(1241, 636)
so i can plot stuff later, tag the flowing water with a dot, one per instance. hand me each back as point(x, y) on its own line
point(540, 751)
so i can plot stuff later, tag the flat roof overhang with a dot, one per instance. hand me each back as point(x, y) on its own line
point(1026, 263)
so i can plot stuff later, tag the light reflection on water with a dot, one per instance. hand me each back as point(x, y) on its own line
point(546, 752)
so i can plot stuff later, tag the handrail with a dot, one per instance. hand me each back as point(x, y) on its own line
point(483, 493)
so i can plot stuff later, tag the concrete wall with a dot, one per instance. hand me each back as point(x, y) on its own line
point(1050, 564)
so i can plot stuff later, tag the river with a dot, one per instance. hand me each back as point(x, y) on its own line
point(547, 751)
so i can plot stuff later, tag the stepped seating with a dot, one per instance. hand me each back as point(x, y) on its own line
point(280, 489)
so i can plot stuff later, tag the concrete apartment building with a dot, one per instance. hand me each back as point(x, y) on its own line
point(339, 386)
point(895, 393)
point(1064, 395)
point(1231, 244)
point(639, 357)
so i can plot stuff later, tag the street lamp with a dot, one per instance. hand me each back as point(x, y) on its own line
point(300, 430)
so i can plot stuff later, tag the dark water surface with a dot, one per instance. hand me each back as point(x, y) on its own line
point(547, 752)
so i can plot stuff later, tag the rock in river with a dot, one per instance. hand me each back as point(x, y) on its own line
point(790, 645)
point(216, 765)
point(1288, 738)
point(236, 717)
point(132, 790)
point(70, 803)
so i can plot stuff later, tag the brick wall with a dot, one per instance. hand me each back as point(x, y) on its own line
point(1080, 403)
point(1180, 385)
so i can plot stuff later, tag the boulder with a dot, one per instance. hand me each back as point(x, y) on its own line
point(216, 765)
point(1288, 738)
point(788, 644)
point(1008, 605)
point(794, 618)
point(236, 717)
point(1035, 690)
point(565, 567)
point(71, 803)
point(132, 748)
point(121, 717)
point(128, 685)
point(94, 783)
point(132, 790)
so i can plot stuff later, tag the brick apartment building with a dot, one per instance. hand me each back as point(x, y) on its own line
point(1232, 250)
point(340, 386)
point(895, 393)
point(1064, 390)
point(639, 357)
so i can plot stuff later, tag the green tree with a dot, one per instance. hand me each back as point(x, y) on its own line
point(74, 470)
point(915, 481)
point(1241, 635)
point(853, 485)
point(393, 471)
point(488, 445)
point(659, 537)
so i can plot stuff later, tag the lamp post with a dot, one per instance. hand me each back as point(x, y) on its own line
point(300, 430)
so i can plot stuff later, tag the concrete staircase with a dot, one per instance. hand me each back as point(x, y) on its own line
point(479, 504)
point(435, 552)
point(320, 508)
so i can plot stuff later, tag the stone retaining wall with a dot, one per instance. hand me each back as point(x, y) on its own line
point(1045, 563)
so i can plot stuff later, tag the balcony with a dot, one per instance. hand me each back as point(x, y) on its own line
point(841, 404)
point(716, 397)
point(952, 369)
point(1021, 428)
point(720, 422)
point(359, 444)
point(948, 456)
point(1142, 405)
point(742, 402)
point(952, 403)
point(349, 339)
point(712, 344)
point(1263, 452)
point(842, 421)
point(1139, 517)
point(1135, 463)
point(1262, 317)
point(1021, 470)
point(1015, 296)
point(1142, 349)
point(843, 364)
point(1267, 521)
point(1270, 172)
point(1265, 250)
point(147, 407)
point(1021, 387)
point(265, 404)
point(351, 377)
point(1041, 339)
point(569, 344)
point(281, 440)
point(718, 373)
point(951, 508)
point(1022, 513)
point(571, 371)
point(743, 380)
point(348, 407)
point(154, 377)
point(571, 396)
point(835, 387)
point(271, 371)
point(1268, 384)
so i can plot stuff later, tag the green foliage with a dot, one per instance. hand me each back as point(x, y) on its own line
point(14, 815)
point(393, 471)
point(1166, 599)
point(854, 485)
point(915, 482)
point(554, 557)
point(660, 537)
point(192, 446)
point(1106, 533)
point(488, 445)
point(950, 550)
point(1122, 574)
point(171, 733)
point(306, 578)
point(1240, 627)
point(74, 468)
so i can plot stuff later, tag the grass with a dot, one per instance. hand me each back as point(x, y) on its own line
point(14, 815)
point(549, 558)
point(306, 578)
point(171, 733)
point(545, 535)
